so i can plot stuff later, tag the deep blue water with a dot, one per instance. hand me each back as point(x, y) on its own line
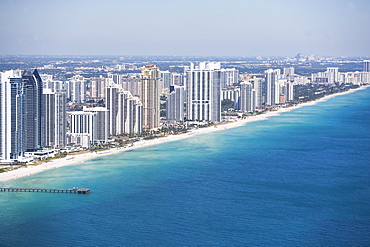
point(298, 179)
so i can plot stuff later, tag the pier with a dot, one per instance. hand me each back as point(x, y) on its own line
point(74, 190)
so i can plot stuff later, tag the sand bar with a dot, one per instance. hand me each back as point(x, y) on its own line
point(80, 158)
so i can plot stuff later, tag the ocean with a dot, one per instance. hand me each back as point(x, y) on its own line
point(298, 179)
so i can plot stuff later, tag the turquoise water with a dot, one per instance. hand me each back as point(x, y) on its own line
point(298, 179)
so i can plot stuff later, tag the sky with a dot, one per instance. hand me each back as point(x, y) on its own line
point(185, 27)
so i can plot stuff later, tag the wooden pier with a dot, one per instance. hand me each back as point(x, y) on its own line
point(74, 190)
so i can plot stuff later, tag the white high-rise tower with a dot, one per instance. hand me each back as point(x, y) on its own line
point(203, 92)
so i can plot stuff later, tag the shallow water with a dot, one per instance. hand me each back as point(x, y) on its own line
point(301, 178)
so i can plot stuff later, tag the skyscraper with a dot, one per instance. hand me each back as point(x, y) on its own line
point(332, 74)
point(257, 86)
point(54, 116)
point(77, 89)
point(111, 102)
point(272, 86)
point(11, 116)
point(21, 113)
point(33, 107)
point(247, 97)
point(229, 77)
point(203, 92)
point(150, 96)
point(166, 77)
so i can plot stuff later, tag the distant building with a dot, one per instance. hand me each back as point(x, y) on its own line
point(132, 83)
point(332, 74)
point(77, 86)
point(166, 77)
point(151, 87)
point(177, 79)
point(366, 65)
point(97, 87)
point(229, 77)
point(203, 92)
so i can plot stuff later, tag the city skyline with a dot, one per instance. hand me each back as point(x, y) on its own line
point(209, 28)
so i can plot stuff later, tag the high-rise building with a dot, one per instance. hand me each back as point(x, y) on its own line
point(247, 97)
point(21, 107)
point(178, 79)
point(132, 83)
point(124, 111)
point(257, 86)
point(166, 77)
point(82, 128)
point(129, 114)
point(54, 116)
point(97, 87)
point(203, 92)
point(229, 77)
point(111, 102)
point(332, 74)
point(151, 87)
point(175, 104)
point(366, 65)
point(100, 126)
point(272, 87)
point(33, 108)
point(11, 116)
point(77, 89)
point(288, 71)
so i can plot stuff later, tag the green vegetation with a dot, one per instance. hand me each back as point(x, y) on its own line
point(227, 104)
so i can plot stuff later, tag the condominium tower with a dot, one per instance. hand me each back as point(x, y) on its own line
point(203, 92)
point(150, 96)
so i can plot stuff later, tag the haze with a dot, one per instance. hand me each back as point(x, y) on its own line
point(192, 27)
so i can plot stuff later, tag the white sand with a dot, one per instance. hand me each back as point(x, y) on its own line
point(80, 158)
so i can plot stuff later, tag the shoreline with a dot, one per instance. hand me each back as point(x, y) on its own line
point(80, 158)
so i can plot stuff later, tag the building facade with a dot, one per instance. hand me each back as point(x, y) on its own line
point(150, 96)
point(203, 92)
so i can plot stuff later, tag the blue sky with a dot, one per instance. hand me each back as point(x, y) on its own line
point(191, 27)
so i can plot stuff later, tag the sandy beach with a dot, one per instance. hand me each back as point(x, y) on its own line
point(80, 158)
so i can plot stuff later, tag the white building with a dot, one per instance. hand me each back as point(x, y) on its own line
point(203, 92)
point(77, 86)
point(124, 111)
point(332, 74)
point(229, 77)
point(88, 127)
point(257, 86)
point(247, 97)
point(11, 121)
point(166, 77)
point(272, 93)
